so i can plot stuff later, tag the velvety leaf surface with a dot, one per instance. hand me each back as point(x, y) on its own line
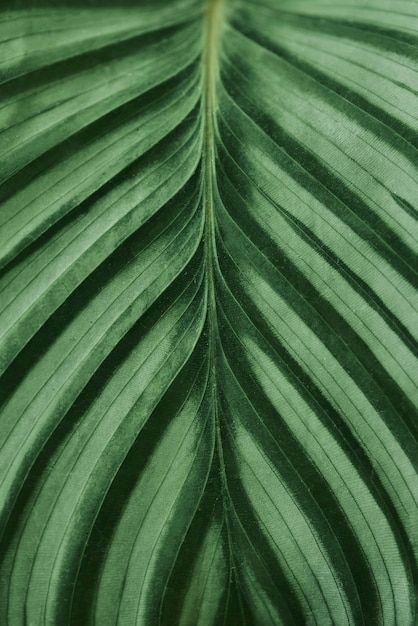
point(208, 327)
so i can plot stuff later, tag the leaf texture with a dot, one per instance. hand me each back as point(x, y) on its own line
point(208, 314)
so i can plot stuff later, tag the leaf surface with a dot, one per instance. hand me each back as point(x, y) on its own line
point(208, 314)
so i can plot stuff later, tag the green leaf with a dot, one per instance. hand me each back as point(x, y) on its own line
point(208, 314)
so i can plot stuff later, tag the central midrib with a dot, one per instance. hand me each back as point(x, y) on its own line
point(210, 55)
point(210, 59)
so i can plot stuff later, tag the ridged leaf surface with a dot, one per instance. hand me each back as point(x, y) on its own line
point(208, 313)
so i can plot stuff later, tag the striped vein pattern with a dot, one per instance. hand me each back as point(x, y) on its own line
point(208, 396)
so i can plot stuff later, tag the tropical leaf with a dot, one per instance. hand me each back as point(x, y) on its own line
point(208, 313)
